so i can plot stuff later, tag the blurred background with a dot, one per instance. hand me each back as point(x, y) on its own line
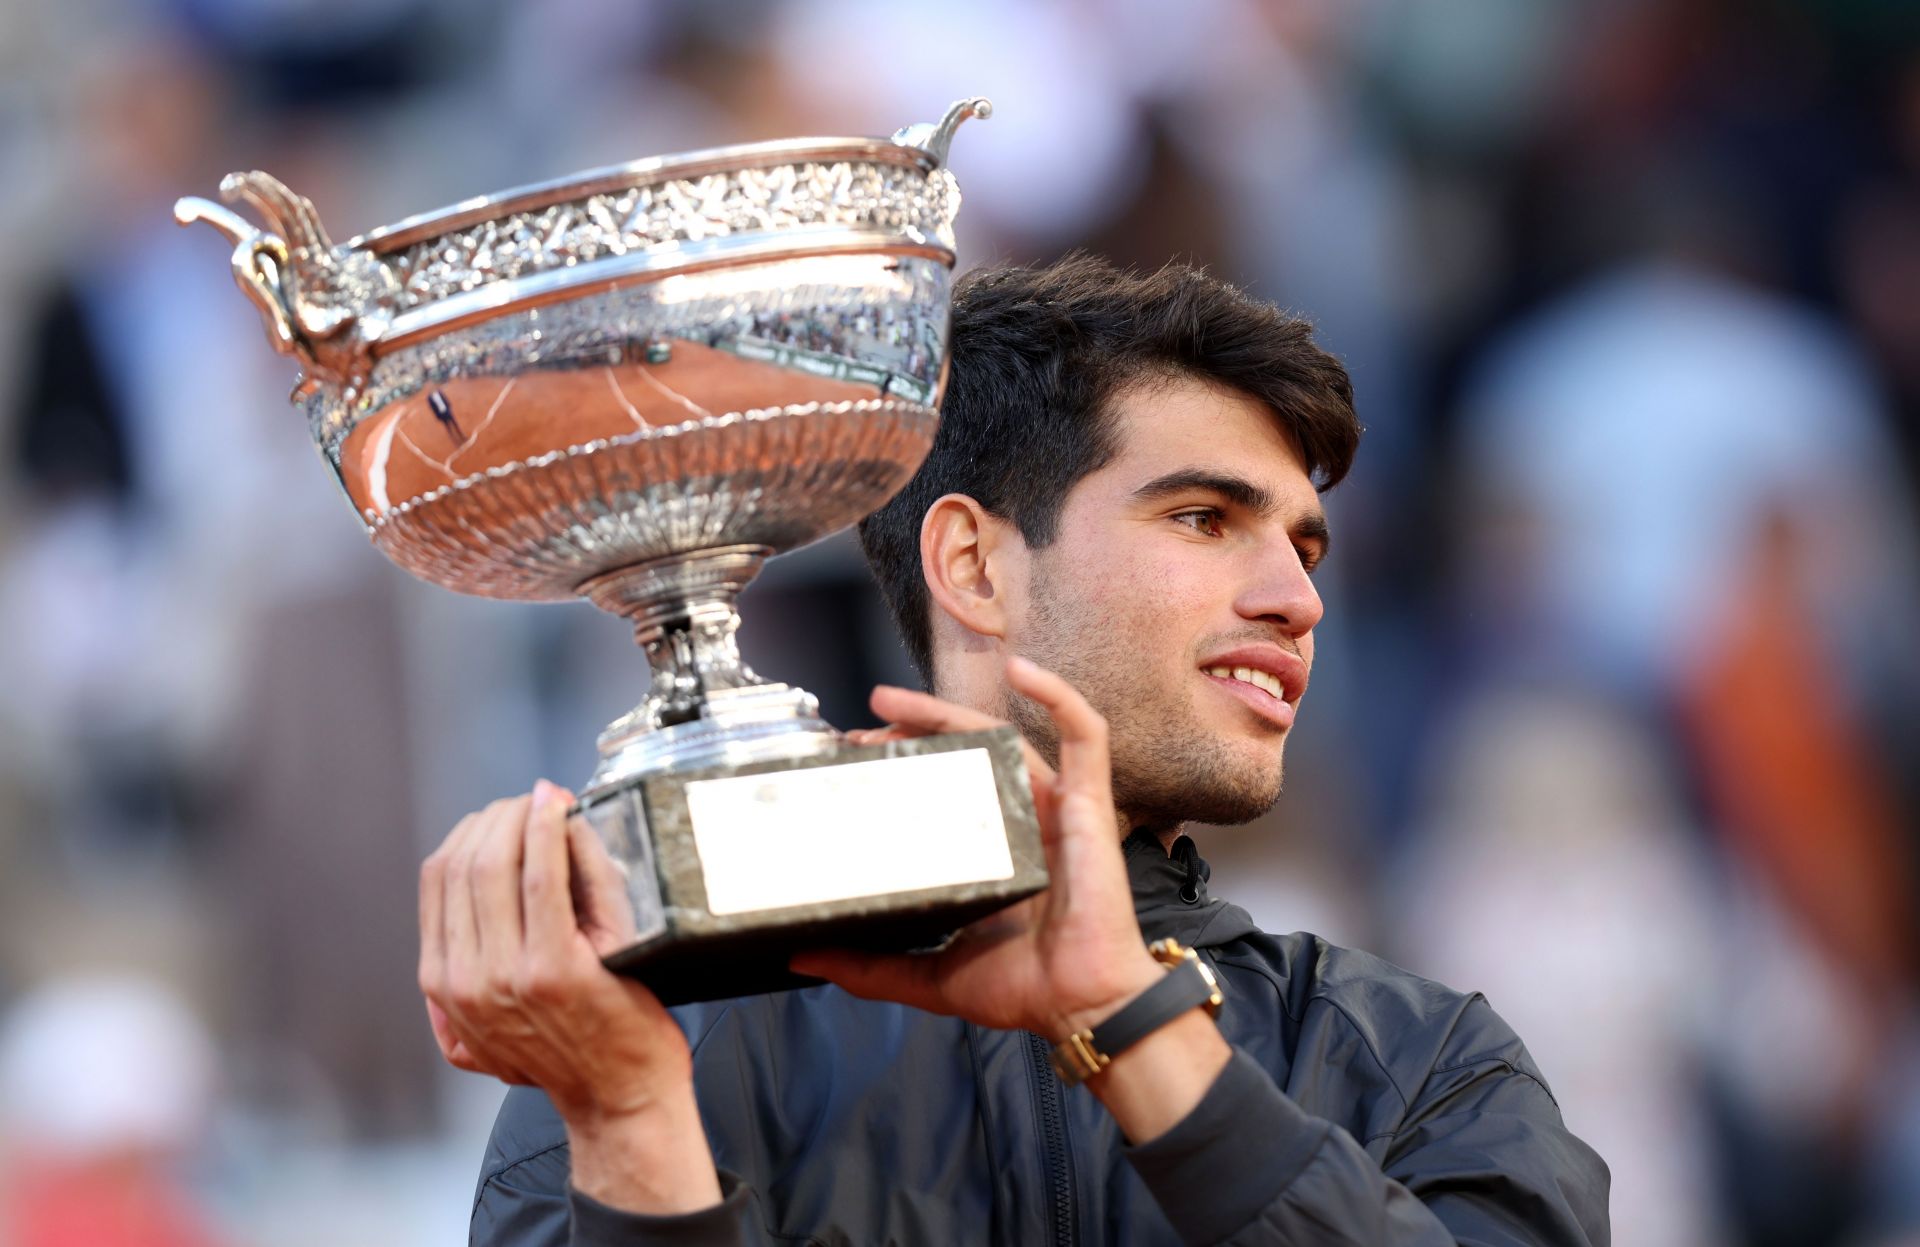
point(1618, 710)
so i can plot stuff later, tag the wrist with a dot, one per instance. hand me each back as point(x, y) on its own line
point(1187, 984)
point(1154, 1084)
point(592, 1121)
point(615, 1096)
point(1125, 983)
point(652, 1159)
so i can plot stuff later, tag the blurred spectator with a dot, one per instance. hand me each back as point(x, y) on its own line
point(1657, 460)
point(1552, 870)
point(105, 1083)
point(1627, 443)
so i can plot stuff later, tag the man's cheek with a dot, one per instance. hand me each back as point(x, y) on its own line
point(1165, 627)
point(1171, 597)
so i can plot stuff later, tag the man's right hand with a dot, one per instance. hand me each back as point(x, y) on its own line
point(516, 909)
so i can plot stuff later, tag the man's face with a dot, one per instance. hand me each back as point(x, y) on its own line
point(1176, 597)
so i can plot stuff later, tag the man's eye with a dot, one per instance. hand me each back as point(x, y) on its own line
point(1205, 521)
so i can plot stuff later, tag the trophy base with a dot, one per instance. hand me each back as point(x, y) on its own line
point(733, 868)
point(682, 969)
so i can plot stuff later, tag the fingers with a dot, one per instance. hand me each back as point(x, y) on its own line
point(459, 1054)
point(494, 878)
point(512, 989)
point(433, 931)
point(925, 713)
point(1085, 759)
point(458, 919)
point(922, 714)
point(451, 1048)
point(457, 972)
point(605, 908)
point(462, 1058)
point(546, 901)
point(446, 910)
point(881, 735)
point(458, 1057)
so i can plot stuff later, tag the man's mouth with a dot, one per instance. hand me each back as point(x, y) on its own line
point(1266, 678)
point(1266, 683)
point(1259, 697)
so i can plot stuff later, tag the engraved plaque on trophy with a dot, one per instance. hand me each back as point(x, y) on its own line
point(636, 385)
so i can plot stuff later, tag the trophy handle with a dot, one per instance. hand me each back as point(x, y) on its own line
point(292, 275)
point(259, 257)
point(936, 137)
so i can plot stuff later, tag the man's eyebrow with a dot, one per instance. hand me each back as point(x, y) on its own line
point(1313, 527)
point(1235, 489)
point(1242, 493)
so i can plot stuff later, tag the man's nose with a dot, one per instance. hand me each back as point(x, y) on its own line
point(1282, 593)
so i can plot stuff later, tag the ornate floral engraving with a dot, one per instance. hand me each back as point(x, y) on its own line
point(897, 199)
point(331, 306)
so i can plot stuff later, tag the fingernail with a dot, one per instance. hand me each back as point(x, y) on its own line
point(547, 794)
point(1024, 666)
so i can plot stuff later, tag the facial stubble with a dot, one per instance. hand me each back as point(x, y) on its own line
point(1168, 767)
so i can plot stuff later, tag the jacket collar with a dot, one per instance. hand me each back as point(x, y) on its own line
point(1170, 894)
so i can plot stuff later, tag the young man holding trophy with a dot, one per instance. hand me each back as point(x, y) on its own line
point(1111, 546)
point(637, 384)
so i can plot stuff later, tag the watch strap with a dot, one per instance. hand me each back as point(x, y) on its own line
point(1189, 985)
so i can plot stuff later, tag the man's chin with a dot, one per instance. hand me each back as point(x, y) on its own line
point(1230, 809)
point(1204, 788)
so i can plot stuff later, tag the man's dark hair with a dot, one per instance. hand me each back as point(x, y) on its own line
point(1037, 355)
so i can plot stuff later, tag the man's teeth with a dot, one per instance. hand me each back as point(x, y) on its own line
point(1247, 675)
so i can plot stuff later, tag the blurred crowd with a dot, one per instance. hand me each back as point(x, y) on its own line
point(1618, 710)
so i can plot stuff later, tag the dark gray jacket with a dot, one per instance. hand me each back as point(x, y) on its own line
point(1363, 1105)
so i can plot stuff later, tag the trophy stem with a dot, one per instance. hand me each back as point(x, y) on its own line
point(683, 615)
point(705, 704)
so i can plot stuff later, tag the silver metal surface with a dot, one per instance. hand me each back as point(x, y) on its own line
point(632, 385)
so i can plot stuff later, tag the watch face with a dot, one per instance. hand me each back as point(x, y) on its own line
point(1216, 997)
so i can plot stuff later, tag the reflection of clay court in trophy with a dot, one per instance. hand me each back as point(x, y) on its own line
point(636, 385)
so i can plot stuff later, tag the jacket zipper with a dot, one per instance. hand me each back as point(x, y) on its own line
point(1053, 1139)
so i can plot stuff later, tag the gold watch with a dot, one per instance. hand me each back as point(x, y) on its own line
point(1190, 984)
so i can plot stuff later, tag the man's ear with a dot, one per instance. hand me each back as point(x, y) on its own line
point(966, 555)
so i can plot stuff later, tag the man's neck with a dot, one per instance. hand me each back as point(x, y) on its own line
point(1165, 834)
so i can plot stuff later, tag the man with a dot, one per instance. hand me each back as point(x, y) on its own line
point(1123, 500)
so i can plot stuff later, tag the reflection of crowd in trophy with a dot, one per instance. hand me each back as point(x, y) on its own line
point(834, 346)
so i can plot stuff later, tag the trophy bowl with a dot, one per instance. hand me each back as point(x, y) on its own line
point(635, 385)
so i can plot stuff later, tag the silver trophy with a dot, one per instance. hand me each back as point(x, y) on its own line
point(636, 385)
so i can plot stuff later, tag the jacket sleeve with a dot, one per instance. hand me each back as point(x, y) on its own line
point(723, 1225)
point(1484, 1160)
point(526, 1198)
point(531, 1204)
